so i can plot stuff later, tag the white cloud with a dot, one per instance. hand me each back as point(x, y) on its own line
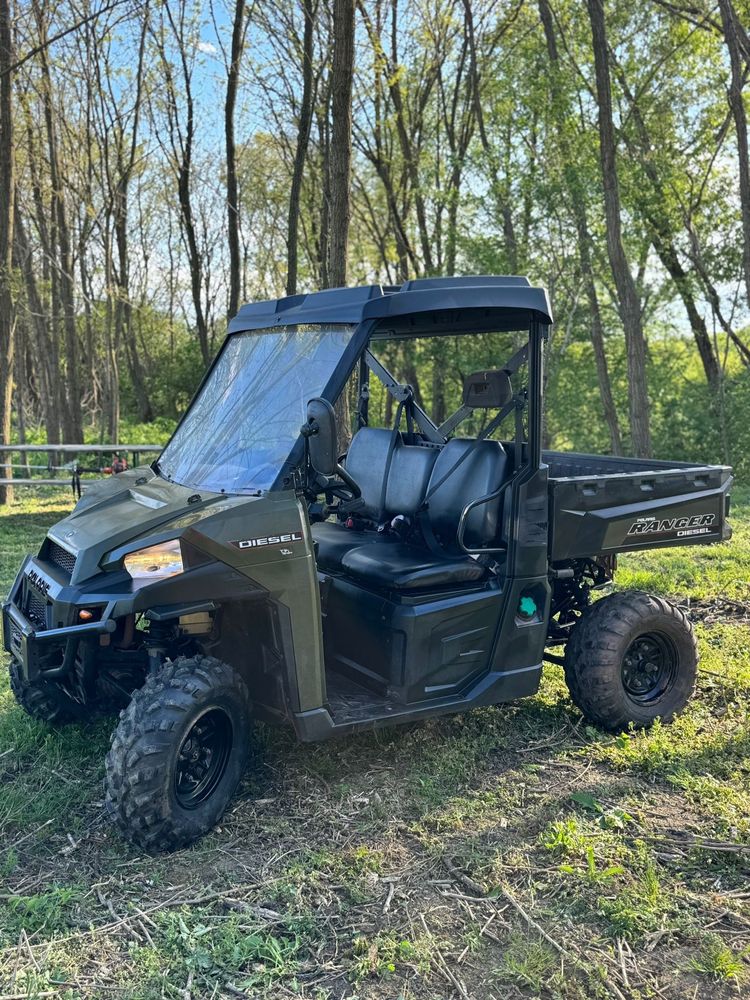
point(208, 48)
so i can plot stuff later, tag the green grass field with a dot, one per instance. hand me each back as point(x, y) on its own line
point(511, 852)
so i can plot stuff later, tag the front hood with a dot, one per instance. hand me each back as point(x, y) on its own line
point(128, 507)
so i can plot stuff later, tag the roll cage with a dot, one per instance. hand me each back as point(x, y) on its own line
point(425, 307)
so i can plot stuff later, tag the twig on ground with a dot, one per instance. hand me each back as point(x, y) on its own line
point(26, 837)
point(476, 887)
point(187, 993)
point(447, 974)
point(622, 963)
point(389, 897)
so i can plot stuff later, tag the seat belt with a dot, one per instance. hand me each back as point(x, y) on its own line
point(426, 426)
point(403, 404)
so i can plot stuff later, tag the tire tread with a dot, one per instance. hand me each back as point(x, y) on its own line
point(134, 798)
point(594, 653)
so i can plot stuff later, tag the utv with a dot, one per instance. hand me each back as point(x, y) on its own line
point(254, 572)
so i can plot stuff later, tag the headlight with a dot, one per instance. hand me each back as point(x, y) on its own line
point(156, 562)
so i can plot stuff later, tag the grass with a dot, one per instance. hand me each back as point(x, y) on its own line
point(513, 852)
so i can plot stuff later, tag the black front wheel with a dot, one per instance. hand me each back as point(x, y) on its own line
point(631, 658)
point(178, 753)
point(46, 701)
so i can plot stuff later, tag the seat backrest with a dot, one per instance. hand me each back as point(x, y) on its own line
point(482, 472)
point(408, 474)
point(411, 467)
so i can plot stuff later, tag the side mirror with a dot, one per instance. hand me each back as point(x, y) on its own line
point(320, 434)
point(320, 431)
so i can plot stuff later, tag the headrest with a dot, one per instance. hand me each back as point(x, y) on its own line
point(487, 389)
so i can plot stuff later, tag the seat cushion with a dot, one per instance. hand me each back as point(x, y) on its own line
point(334, 540)
point(397, 566)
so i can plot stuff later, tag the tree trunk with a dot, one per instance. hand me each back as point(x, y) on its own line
point(324, 134)
point(123, 319)
point(629, 303)
point(233, 218)
point(712, 294)
point(340, 155)
point(47, 358)
point(731, 27)
point(575, 193)
point(662, 235)
point(300, 155)
point(124, 332)
point(7, 203)
point(72, 416)
point(182, 139)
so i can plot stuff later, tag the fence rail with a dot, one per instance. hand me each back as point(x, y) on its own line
point(52, 466)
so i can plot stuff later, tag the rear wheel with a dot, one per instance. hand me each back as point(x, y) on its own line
point(46, 701)
point(631, 658)
point(178, 753)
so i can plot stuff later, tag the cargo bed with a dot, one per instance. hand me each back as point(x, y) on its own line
point(601, 505)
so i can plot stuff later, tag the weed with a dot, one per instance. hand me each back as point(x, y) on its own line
point(380, 956)
point(230, 948)
point(716, 959)
point(530, 962)
point(564, 837)
point(641, 905)
point(592, 873)
point(46, 911)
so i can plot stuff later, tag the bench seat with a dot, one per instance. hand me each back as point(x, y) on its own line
point(397, 566)
point(399, 478)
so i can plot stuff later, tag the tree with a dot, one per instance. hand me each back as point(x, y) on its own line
point(738, 46)
point(628, 299)
point(652, 200)
point(7, 205)
point(180, 148)
point(340, 153)
point(239, 30)
point(63, 287)
point(304, 126)
point(575, 190)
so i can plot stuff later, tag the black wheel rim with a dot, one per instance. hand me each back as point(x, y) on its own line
point(649, 667)
point(202, 758)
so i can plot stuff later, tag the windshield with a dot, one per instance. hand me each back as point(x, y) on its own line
point(244, 422)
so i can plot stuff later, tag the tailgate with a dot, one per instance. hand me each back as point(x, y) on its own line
point(644, 510)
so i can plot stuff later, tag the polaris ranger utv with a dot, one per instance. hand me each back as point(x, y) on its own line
point(254, 572)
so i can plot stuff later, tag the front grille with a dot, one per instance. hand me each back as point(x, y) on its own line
point(61, 557)
point(36, 607)
point(15, 635)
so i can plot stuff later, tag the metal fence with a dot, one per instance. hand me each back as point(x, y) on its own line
point(59, 470)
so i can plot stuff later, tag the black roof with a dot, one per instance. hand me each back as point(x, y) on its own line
point(352, 305)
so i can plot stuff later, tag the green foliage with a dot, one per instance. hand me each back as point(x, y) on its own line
point(230, 948)
point(47, 911)
point(689, 421)
point(640, 905)
point(531, 963)
point(380, 956)
point(564, 837)
point(718, 960)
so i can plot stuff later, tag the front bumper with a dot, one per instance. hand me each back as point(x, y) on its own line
point(48, 653)
point(37, 621)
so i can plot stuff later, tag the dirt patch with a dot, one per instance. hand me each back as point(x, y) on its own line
point(716, 609)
